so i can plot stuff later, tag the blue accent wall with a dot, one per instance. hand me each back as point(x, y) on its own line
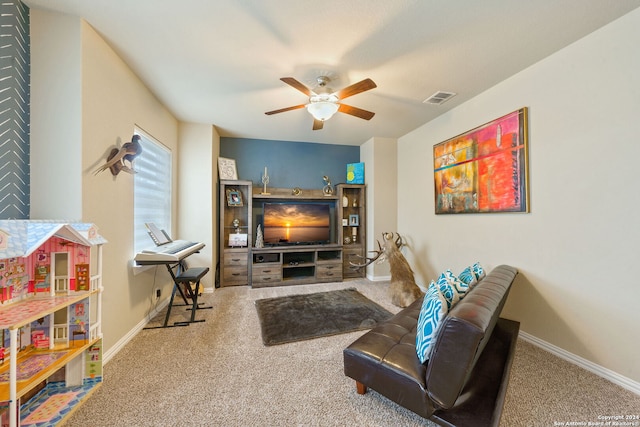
point(289, 164)
point(14, 117)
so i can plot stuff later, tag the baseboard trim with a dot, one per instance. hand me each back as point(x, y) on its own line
point(608, 374)
point(378, 278)
point(106, 357)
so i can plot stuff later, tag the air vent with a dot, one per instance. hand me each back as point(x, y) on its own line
point(439, 97)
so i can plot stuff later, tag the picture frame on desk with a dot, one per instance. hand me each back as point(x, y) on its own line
point(355, 173)
point(234, 198)
point(238, 240)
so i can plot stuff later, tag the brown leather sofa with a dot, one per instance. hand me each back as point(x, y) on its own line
point(465, 380)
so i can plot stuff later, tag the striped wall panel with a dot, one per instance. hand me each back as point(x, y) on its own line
point(14, 110)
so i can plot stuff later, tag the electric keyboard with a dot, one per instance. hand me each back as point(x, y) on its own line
point(169, 253)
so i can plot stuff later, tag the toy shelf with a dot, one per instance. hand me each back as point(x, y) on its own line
point(39, 412)
point(49, 362)
point(23, 312)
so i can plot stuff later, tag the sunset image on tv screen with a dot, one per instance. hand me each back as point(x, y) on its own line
point(296, 223)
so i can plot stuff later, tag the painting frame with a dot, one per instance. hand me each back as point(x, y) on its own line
point(227, 169)
point(484, 170)
point(354, 220)
point(238, 240)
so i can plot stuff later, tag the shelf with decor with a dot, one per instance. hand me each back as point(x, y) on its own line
point(352, 226)
point(290, 252)
point(39, 361)
point(235, 231)
point(293, 193)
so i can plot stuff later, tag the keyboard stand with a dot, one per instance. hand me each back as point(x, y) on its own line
point(185, 278)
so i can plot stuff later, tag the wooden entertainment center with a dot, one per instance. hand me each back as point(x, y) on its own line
point(295, 265)
point(241, 263)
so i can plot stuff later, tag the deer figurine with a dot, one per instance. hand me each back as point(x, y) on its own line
point(403, 289)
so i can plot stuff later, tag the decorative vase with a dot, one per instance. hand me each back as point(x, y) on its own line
point(345, 201)
point(259, 238)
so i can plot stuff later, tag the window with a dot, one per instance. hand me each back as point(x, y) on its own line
point(152, 190)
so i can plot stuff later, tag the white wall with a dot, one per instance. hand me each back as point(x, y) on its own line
point(576, 251)
point(56, 117)
point(199, 147)
point(100, 102)
point(380, 158)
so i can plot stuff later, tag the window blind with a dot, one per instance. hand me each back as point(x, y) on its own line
point(152, 189)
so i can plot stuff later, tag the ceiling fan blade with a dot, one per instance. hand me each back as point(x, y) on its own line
point(317, 124)
point(282, 110)
point(355, 88)
point(297, 85)
point(355, 111)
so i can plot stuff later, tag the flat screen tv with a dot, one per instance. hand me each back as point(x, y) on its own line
point(289, 223)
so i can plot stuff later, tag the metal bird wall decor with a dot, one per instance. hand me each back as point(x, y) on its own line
point(121, 160)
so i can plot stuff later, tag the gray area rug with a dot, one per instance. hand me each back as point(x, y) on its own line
point(301, 317)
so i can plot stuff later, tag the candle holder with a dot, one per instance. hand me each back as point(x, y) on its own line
point(265, 181)
point(327, 190)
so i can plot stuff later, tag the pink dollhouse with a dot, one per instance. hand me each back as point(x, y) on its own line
point(50, 305)
point(44, 258)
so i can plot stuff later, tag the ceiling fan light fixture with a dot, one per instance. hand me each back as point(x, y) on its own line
point(324, 103)
point(323, 107)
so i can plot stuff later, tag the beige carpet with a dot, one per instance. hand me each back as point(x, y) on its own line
point(218, 373)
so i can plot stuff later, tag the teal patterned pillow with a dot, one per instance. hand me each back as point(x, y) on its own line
point(460, 287)
point(434, 309)
point(478, 271)
point(468, 277)
point(448, 291)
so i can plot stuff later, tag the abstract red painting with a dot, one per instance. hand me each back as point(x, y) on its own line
point(484, 169)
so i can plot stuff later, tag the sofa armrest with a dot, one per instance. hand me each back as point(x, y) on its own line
point(464, 334)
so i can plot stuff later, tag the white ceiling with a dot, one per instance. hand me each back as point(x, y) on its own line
point(219, 61)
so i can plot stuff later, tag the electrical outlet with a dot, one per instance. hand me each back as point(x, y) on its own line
point(158, 293)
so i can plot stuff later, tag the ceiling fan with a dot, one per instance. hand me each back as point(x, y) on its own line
point(323, 103)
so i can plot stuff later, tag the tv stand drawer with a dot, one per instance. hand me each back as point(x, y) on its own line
point(265, 270)
point(262, 280)
point(329, 271)
point(234, 274)
point(235, 259)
